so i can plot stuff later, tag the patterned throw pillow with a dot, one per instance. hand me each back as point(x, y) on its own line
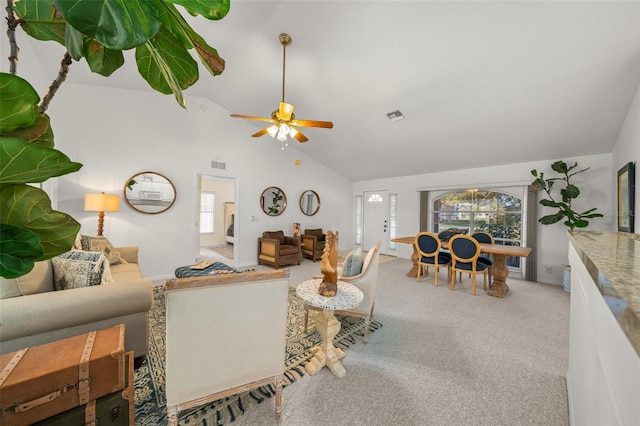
point(76, 268)
point(353, 263)
point(102, 244)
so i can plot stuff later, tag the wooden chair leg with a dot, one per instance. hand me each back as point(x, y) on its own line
point(367, 321)
point(473, 284)
point(436, 276)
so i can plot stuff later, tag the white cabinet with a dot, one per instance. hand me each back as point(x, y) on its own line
point(603, 380)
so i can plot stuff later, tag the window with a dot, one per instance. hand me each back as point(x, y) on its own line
point(358, 222)
point(393, 219)
point(375, 198)
point(207, 212)
point(497, 213)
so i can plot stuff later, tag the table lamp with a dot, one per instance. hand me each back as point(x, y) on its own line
point(101, 203)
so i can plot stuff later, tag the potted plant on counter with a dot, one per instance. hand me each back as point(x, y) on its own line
point(563, 204)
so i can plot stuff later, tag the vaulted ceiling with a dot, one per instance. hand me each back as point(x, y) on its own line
point(480, 83)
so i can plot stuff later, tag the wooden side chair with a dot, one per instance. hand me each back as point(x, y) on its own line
point(485, 238)
point(464, 258)
point(430, 256)
point(366, 281)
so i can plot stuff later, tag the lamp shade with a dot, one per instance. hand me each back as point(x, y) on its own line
point(101, 202)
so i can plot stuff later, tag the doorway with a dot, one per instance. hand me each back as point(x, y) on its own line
point(216, 230)
point(376, 220)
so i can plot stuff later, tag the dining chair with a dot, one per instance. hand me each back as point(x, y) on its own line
point(366, 281)
point(485, 238)
point(430, 255)
point(465, 251)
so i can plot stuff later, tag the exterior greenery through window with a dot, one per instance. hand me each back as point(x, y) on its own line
point(498, 213)
point(207, 212)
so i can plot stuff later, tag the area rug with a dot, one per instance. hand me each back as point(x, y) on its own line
point(150, 398)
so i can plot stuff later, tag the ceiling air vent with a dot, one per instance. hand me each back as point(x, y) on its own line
point(395, 115)
point(218, 165)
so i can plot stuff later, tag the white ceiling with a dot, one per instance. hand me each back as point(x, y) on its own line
point(481, 83)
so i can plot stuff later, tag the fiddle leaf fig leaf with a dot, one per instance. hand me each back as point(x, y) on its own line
point(41, 20)
point(210, 9)
point(39, 132)
point(73, 42)
point(18, 250)
point(167, 65)
point(29, 208)
point(101, 60)
point(552, 218)
point(17, 101)
point(116, 24)
point(26, 162)
point(559, 167)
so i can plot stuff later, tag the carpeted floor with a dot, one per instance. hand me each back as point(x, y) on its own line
point(225, 250)
point(150, 400)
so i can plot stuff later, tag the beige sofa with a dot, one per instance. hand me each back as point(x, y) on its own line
point(33, 313)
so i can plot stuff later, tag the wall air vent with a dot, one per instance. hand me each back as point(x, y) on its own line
point(395, 115)
point(218, 165)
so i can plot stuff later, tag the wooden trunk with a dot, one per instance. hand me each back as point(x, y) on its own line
point(116, 409)
point(42, 381)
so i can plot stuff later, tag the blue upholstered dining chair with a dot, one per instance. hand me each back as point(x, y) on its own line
point(464, 258)
point(429, 255)
point(485, 238)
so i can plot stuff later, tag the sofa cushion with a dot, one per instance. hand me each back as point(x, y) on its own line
point(288, 249)
point(276, 235)
point(125, 272)
point(75, 269)
point(39, 280)
point(99, 243)
point(316, 233)
point(353, 263)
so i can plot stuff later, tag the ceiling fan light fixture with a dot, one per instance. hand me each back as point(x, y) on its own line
point(293, 132)
point(272, 131)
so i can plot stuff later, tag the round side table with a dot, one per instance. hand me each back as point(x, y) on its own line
point(347, 297)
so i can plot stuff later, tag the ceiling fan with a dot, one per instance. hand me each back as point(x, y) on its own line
point(284, 121)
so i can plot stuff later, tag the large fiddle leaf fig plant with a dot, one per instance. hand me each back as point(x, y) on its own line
point(98, 31)
point(564, 210)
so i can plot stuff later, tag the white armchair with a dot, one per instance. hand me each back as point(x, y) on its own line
point(366, 281)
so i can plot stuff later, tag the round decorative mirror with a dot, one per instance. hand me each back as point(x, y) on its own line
point(149, 192)
point(309, 202)
point(273, 201)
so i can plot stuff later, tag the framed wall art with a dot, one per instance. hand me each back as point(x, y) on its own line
point(626, 198)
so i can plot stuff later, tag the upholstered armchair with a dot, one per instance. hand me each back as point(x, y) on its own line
point(313, 243)
point(276, 249)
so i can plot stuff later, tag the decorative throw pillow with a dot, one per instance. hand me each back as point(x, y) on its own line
point(353, 263)
point(76, 268)
point(102, 244)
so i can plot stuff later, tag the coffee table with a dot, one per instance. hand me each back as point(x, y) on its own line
point(347, 297)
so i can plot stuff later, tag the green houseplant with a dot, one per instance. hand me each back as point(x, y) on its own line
point(568, 193)
point(98, 31)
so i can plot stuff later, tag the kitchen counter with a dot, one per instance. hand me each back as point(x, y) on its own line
point(612, 260)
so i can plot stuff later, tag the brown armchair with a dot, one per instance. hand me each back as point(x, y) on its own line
point(313, 243)
point(276, 249)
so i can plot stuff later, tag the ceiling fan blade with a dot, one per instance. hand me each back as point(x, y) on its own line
point(260, 133)
point(250, 117)
point(286, 111)
point(299, 136)
point(313, 123)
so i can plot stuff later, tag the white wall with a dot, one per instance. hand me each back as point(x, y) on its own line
point(627, 149)
point(118, 133)
point(552, 239)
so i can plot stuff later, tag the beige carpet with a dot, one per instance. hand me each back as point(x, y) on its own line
point(226, 250)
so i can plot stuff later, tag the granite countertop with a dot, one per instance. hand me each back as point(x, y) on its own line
point(613, 261)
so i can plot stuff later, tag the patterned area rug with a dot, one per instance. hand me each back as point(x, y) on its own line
point(150, 398)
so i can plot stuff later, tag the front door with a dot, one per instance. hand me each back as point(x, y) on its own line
point(376, 220)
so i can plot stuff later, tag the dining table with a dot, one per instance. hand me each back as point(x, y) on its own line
point(499, 271)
